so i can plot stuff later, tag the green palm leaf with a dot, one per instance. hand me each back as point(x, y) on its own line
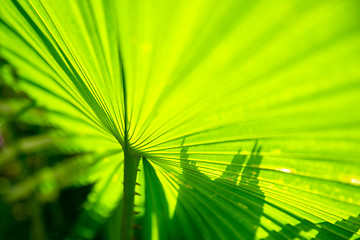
point(243, 116)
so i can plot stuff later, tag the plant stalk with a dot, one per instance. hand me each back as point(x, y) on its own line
point(131, 164)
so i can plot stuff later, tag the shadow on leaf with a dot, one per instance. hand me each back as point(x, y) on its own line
point(218, 207)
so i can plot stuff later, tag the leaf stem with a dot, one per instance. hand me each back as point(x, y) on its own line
point(131, 164)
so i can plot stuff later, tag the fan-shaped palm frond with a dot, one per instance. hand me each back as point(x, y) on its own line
point(243, 116)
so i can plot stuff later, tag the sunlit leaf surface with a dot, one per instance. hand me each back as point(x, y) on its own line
point(245, 113)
